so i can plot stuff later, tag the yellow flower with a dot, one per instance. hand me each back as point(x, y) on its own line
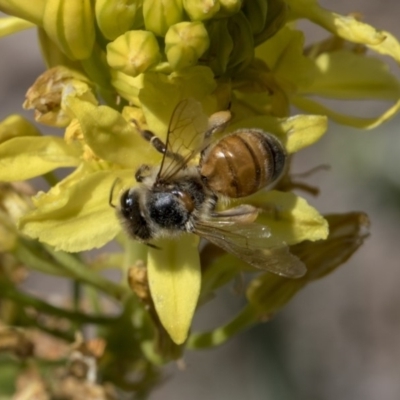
point(102, 84)
point(14, 202)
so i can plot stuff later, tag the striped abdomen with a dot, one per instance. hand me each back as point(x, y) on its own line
point(242, 163)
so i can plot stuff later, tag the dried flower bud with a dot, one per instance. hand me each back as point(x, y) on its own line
point(347, 233)
point(46, 94)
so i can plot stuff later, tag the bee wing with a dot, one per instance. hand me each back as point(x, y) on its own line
point(185, 137)
point(250, 242)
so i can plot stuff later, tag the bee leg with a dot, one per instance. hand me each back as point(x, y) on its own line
point(217, 123)
point(142, 172)
point(156, 142)
point(244, 213)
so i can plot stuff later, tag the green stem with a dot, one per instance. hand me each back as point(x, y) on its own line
point(8, 291)
point(75, 267)
point(32, 257)
point(93, 297)
point(246, 318)
point(97, 70)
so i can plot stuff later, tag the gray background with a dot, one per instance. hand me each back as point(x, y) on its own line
point(340, 337)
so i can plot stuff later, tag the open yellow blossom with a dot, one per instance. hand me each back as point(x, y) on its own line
point(118, 67)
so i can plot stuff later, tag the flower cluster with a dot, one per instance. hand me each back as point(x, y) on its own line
point(113, 61)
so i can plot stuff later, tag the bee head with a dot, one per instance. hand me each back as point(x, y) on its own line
point(132, 217)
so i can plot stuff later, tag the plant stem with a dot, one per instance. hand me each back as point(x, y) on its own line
point(75, 267)
point(247, 317)
point(23, 299)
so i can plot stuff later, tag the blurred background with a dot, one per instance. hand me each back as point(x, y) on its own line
point(340, 337)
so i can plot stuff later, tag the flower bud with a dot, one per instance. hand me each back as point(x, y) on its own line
point(70, 24)
point(230, 7)
point(138, 282)
point(347, 232)
point(256, 12)
point(243, 50)
point(159, 15)
point(133, 52)
point(221, 45)
point(114, 17)
point(199, 10)
point(276, 18)
point(185, 43)
point(52, 54)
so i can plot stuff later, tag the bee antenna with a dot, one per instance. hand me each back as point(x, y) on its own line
point(112, 192)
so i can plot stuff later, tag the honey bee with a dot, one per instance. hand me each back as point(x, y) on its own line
point(181, 194)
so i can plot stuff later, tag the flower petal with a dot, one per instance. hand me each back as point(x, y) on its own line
point(284, 50)
point(29, 156)
point(160, 93)
point(343, 74)
point(303, 131)
point(290, 218)
point(109, 135)
point(127, 86)
point(388, 47)
point(175, 278)
point(312, 106)
point(10, 25)
point(14, 126)
point(344, 26)
point(75, 215)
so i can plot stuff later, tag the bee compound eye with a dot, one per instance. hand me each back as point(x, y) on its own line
point(129, 203)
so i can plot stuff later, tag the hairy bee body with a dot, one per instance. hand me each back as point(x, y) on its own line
point(160, 210)
point(181, 196)
point(242, 163)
